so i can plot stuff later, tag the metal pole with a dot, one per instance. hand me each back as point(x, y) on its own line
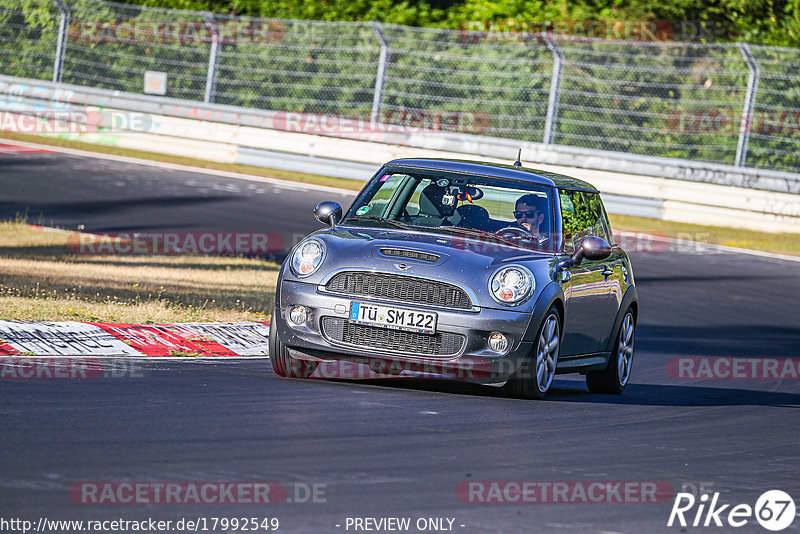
point(61, 43)
point(555, 85)
point(749, 104)
point(380, 78)
point(211, 74)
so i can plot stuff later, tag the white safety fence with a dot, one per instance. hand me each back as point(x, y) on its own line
point(666, 90)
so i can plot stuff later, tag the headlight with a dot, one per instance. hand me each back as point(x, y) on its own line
point(511, 285)
point(308, 257)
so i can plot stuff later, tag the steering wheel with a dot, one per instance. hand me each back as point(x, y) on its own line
point(515, 233)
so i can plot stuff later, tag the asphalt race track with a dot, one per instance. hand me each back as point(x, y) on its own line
point(106, 196)
point(399, 448)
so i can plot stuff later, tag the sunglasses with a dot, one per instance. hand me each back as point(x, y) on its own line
point(530, 214)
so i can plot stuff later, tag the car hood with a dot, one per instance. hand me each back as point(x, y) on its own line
point(465, 261)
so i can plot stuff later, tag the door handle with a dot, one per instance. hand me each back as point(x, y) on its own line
point(607, 272)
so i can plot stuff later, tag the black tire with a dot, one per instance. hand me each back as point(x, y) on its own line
point(283, 364)
point(613, 379)
point(524, 384)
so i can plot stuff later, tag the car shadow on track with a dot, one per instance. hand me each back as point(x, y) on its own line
point(752, 341)
point(678, 395)
point(634, 394)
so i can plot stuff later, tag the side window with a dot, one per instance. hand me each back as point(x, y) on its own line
point(576, 218)
point(582, 215)
point(600, 226)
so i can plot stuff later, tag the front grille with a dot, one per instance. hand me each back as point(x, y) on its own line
point(383, 339)
point(413, 254)
point(400, 288)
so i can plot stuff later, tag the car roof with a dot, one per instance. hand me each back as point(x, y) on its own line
point(497, 170)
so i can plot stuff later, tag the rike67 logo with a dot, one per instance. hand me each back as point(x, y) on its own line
point(774, 510)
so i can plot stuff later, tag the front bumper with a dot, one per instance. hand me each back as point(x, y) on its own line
point(474, 362)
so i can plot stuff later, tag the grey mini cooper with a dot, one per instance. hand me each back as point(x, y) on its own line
point(486, 273)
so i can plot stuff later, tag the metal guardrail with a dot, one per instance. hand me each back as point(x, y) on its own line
point(18, 94)
point(730, 104)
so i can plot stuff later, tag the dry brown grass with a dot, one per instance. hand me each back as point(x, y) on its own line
point(41, 280)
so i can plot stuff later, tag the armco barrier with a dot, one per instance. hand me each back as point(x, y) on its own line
point(638, 186)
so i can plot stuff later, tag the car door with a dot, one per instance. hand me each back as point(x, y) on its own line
point(588, 306)
point(613, 265)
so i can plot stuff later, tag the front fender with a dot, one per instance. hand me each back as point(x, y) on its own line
point(551, 294)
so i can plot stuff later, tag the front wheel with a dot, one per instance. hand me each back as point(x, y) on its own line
point(533, 379)
point(614, 377)
point(282, 363)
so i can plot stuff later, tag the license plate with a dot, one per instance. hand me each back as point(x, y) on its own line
point(393, 318)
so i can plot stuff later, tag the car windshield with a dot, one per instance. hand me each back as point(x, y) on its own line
point(500, 211)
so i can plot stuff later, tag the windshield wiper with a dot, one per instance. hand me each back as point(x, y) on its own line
point(396, 224)
point(479, 233)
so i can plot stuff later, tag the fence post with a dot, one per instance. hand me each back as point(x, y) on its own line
point(749, 104)
point(61, 43)
point(555, 86)
point(381, 76)
point(211, 74)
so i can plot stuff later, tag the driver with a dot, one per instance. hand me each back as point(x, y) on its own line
point(529, 214)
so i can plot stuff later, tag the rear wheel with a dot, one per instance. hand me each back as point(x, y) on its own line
point(283, 364)
point(533, 379)
point(615, 377)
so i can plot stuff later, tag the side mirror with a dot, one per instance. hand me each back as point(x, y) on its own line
point(592, 248)
point(595, 248)
point(328, 212)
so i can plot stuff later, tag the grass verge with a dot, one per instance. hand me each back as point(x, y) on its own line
point(731, 237)
point(41, 280)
